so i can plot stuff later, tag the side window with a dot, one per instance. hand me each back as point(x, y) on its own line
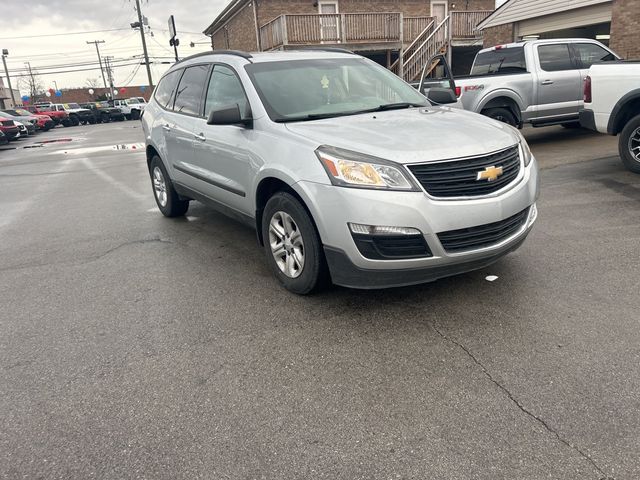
point(555, 58)
point(189, 91)
point(225, 90)
point(590, 53)
point(164, 91)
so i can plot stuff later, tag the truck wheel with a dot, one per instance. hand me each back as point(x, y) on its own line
point(167, 198)
point(75, 121)
point(135, 115)
point(292, 245)
point(502, 115)
point(127, 116)
point(629, 144)
point(66, 122)
point(105, 118)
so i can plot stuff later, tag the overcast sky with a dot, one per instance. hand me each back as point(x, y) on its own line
point(33, 18)
point(24, 22)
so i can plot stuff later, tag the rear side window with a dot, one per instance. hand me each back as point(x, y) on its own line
point(590, 53)
point(189, 91)
point(225, 90)
point(164, 91)
point(555, 58)
point(504, 60)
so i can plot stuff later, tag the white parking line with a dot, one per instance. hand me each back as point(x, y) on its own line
point(116, 183)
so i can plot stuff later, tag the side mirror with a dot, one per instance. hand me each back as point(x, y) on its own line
point(441, 96)
point(228, 116)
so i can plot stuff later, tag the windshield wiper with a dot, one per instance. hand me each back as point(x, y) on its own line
point(380, 108)
point(396, 106)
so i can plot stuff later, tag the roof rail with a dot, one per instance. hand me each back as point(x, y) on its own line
point(238, 53)
point(329, 49)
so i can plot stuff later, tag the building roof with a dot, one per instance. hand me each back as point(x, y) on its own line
point(517, 10)
point(229, 11)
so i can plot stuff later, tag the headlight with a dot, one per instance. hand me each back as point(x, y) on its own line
point(525, 151)
point(351, 169)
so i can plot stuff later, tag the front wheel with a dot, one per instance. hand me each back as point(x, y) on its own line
point(502, 115)
point(167, 199)
point(135, 115)
point(292, 245)
point(629, 144)
point(75, 121)
point(66, 122)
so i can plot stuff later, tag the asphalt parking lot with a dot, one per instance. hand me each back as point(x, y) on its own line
point(135, 346)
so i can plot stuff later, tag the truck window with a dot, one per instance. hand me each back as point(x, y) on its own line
point(590, 53)
point(555, 57)
point(501, 61)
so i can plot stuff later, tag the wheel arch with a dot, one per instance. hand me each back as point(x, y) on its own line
point(625, 109)
point(503, 99)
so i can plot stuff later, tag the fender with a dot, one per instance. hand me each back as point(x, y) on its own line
point(618, 109)
point(502, 92)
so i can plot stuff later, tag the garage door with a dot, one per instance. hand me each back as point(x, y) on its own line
point(573, 18)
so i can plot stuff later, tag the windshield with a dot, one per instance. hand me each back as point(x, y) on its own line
point(72, 105)
point(503, 60)
point(309, 89)
point(12, 112)
point(47, 108)
point(23, 112)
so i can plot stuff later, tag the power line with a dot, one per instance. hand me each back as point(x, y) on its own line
point(63, 34)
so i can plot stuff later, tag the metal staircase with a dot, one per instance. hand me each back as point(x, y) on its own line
point(430, 42)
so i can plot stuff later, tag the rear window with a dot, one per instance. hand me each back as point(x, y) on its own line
point(504, 60)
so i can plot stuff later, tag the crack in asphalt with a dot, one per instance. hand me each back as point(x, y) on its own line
point(517, 402)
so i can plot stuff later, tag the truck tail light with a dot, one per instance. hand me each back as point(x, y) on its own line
point(458, 91)
point(587, 90)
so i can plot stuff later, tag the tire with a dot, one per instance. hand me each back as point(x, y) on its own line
point(629, 144)
point(93, 121)
point(75, 121)
point(105, 118)
point(128, 117)
point(66, 122)
point(167, 199)
point(502, 115)
point(135, 115)
point(299, 243)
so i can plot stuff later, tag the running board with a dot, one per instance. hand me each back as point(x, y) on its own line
point(547, 122)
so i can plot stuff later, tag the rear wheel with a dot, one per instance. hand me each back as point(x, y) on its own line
point(75, 121)
point(167, 199)
point(135, 115)
point(502, 115)
point(105, 118)
point(629, 144)
point(66, 122)
point(292, 245)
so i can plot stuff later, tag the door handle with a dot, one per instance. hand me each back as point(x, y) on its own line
point(166, 128)
point(547, 82)
point(200, 137)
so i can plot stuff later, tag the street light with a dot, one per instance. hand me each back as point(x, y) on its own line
point(5, 53)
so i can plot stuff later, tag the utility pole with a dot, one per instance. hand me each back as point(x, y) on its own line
point(107, 61)
point(96, 42)
point(144, 43)
point(5, 52)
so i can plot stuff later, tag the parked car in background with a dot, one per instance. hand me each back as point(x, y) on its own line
point(612, 105)
point(26, 129)
point(346, 171)
point(43, 122)
point(60, 117)
point(102, 112)
point(28, 119)
point(84, 115)
point(9, 128)
point(538, 82)
point(3, 138)
point(131, 108)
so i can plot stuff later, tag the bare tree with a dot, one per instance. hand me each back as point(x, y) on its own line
point(92, 83)
point(32, 84)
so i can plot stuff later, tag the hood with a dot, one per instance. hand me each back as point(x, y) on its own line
point(411, 135)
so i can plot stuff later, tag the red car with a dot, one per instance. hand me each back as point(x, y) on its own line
point(43, 121)
point(57, 117)
point(9, 128)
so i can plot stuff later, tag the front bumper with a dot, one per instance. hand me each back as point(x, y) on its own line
point(334, 207)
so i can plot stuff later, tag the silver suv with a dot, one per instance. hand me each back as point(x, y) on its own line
point(348, 174)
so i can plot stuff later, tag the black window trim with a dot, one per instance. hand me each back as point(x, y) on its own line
point(180, 72)
point(575, 64)
point(202, 91)
point(208, 82)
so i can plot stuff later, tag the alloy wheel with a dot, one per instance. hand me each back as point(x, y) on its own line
point(287, 245)
point(160, 186)
point(634, 144)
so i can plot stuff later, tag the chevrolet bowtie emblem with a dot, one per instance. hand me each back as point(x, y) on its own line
point(490, 174)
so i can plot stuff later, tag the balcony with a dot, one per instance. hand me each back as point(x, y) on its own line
point(361, 31)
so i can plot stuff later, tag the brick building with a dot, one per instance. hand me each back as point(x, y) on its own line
point(613, 22)
point(400, 34)
point(82, 95)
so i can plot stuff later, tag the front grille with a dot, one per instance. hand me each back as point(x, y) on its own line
point(483, 235)
point(388, 247)
point(459, 178)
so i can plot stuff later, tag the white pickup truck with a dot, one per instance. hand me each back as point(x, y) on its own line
point(612, 105)
point(535, 81)
point(131, 107)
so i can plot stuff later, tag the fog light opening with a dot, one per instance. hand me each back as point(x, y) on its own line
point(361, 229)
point(533, 214)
